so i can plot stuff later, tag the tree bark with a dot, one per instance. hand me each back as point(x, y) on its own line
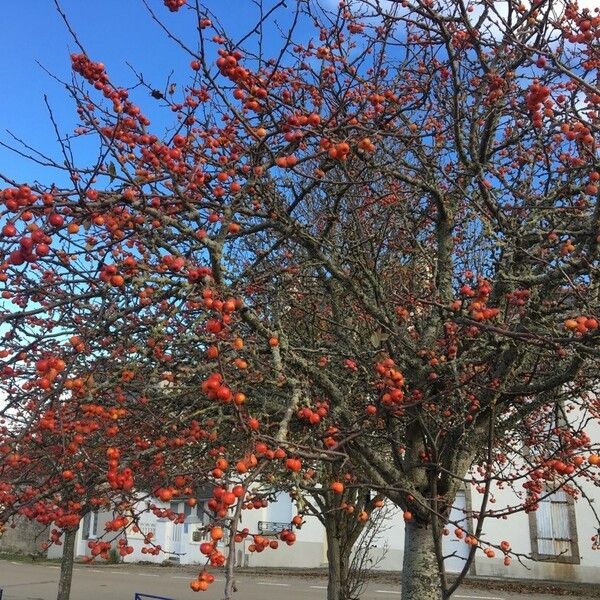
point(338, 558)
point(66, 565)
point(230, 587)
point(420, 577)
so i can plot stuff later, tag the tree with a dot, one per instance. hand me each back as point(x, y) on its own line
point(399, 216)
point(346, 513)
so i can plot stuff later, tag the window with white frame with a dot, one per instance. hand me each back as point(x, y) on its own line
point(90, 526)
point(553, 529)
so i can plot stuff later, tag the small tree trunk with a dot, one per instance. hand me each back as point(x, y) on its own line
point(338, 564)
point(66, 565)
point(420, 577)
point(230, 587)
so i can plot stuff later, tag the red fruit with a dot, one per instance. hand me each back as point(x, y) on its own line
point(337, 487)
point(206, 548)
point(42, 249)
point(9, 230)
point(56, 220)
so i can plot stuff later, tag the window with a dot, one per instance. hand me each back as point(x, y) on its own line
point(553, 529)
point(90, 526)
point(281, 509)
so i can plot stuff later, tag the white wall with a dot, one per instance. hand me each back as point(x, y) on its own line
point(309, 551)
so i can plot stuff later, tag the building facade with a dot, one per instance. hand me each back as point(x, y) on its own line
point(561, 537)
point(558, 536)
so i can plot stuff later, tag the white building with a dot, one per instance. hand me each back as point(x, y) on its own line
point(559, 535)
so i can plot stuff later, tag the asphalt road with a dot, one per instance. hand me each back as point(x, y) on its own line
point(24, 581)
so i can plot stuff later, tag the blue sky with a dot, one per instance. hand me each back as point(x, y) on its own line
point(112, 31)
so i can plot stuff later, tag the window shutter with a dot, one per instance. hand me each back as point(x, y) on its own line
point(553, 530)
point(86, 526)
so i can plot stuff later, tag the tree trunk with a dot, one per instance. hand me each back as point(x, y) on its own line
point(420, 577)
point(66, 565)
point(338, 559)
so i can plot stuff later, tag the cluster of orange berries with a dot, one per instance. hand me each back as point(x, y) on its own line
point(124, 549)
point(244, 465)
point(174, 5)
point(31, 247)
point(210, 549)
point(287, 162)
point(592, 187)
point(261, 543)
point(197, 273)
point(392, 382)
point(313, 416)
point(518, 297)
point(587, 27)
point(93, 72)
point(109, 274)
point(116, 524)
point(203, 581)
point(256, 503)
point(263, 450)
point(538, 98)
point(165, 494)
point(99, 548)
point(581, 324)
point(215, 388)
point(17, 198)
point(339, 151)
point(77, 343)
point(223, 499)
point(48, 369)
point(577, 131)
point(48, 421)
point(288, 536)
point(480, 295)
point(226, 307)
point(120, 479)
point(173, 263)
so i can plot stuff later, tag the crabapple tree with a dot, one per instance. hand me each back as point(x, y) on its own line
point(392, 212)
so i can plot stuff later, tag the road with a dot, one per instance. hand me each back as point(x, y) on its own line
point(24, 581)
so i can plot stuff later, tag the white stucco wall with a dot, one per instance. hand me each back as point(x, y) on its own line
point(309, 551)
